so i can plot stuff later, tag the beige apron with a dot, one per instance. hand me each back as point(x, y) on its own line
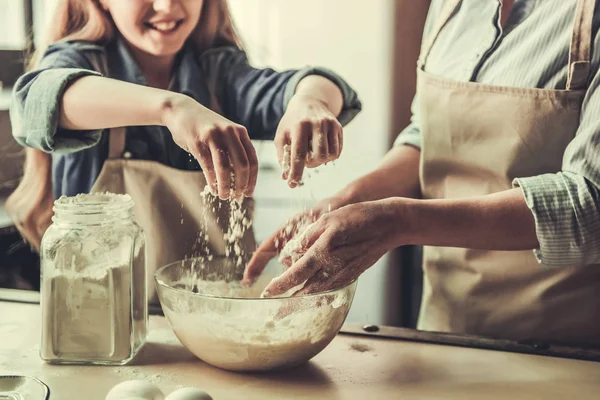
point(169, 208)
point(475, 139)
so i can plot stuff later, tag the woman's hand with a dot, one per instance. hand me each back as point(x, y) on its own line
point(289, 231)
point(340, 246)
point(223, 148)
point(308, 135)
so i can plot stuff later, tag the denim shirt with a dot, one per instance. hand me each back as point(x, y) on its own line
point(254, 98)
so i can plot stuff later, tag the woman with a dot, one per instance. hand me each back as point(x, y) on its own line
point(501, 158)
point(172, 72)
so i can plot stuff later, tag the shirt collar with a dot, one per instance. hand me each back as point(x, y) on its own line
point(188, 77)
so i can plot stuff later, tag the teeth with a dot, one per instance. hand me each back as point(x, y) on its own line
point(165, 26)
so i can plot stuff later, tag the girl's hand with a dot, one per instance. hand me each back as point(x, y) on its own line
point(339, 247)
point(308, 135)
point(223, 148)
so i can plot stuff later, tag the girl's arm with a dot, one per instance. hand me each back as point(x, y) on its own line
point(297, 108)
point(221, 147)
point(65, 104)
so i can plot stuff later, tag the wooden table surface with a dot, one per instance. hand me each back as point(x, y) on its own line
point(351, 367)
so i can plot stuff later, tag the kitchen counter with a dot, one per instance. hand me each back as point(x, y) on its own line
point(351, 367)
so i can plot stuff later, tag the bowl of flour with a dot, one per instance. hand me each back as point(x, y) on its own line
point(230, 326)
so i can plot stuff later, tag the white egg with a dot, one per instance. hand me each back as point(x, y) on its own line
point(135, 390)
point(189, 394)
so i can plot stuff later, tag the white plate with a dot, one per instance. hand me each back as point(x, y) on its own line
point(22, 388)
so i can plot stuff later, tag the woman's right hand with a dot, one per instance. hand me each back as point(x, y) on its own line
point(222, 147)
point(292, 229)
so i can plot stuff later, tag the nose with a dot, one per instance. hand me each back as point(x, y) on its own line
point(164, 5)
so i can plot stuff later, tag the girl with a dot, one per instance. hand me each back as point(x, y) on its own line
point(173, 73)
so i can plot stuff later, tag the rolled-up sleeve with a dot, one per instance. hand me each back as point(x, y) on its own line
point(352, 105)
point(257, 98)
point(36, 97)
point(566, 205)
point(411, 135)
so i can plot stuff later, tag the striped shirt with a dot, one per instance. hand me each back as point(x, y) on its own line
point(531, 51)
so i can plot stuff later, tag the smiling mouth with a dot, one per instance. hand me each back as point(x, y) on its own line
point(164, 26)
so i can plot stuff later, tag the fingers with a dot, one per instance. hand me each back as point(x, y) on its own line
point(228, 160)
point(295, 275)
point(333, 138)
point(299, 151)
point(238, 161)
point(252, 163)
point(319, 282)
point(323, 281)
point(259, 261)
point(319, 152)
point(326, 143)
point(303, 268)
point(223, 168)
point(204, 157)
point(282, 142)
point(261, 257)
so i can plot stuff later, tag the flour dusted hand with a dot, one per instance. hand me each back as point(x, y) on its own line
point(308, 135)
point(222, 147)
point(287, 240)
point(338, 248)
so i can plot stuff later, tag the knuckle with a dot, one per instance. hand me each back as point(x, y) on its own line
point(212, 132)
point(306, 123)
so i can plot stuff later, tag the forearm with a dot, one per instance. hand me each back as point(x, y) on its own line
point(94, 102)
point(500, 221)
point(396, 176)
point(321, 89)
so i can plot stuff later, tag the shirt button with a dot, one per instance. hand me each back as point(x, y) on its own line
point(127, 155)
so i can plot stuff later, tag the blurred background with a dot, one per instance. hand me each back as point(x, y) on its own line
point(372, 44)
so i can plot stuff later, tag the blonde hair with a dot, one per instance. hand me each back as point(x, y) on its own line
point(86, 20)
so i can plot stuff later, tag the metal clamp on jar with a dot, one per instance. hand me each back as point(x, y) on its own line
point(94, 290)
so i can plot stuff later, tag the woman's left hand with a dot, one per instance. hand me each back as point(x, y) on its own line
point(308, 135)
point(340, 246)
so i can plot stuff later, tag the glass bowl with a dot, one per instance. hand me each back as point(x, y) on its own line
point(231, 327)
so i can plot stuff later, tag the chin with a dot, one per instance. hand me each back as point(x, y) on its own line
point(164, 50)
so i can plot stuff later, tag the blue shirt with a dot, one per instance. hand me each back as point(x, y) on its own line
point(255, 98)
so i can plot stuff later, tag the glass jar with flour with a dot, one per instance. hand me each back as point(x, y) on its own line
point(94, 290)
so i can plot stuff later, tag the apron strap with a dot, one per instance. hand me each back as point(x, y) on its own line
point(116, 142)
point(445, 14)
point(580, 49)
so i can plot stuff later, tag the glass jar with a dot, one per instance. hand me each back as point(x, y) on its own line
point(94, 290)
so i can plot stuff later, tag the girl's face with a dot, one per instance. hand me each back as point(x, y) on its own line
point(157, 27)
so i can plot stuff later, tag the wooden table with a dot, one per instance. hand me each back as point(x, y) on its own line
point(352, 367)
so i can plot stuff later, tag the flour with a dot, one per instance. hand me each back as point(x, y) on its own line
point(94, 303)
point(238, 224)
point(286, 160)
point(255, 334)
point(295, 247)
point(90, 316)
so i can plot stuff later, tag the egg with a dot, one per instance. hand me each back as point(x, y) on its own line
point(189, 394)
point(137, 389)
